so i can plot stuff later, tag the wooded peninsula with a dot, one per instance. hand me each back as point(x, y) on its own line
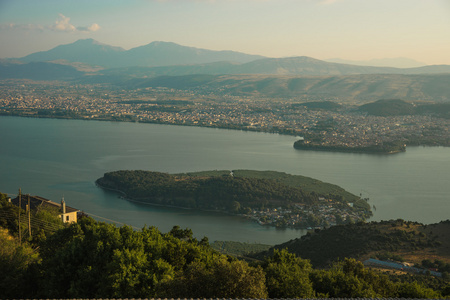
point(268, 197)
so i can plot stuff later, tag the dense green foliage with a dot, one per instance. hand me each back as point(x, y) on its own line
point(288, 276)
point(16, 265)
point(235, 192)
point(307, 184)
point(90, 259)
point(388, 107)
point(378, 239)
point(206, 193)
point(43, 220)
point(238, 248)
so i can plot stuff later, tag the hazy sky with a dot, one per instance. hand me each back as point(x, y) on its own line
point(347, 29)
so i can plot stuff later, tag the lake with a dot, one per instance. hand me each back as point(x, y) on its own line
point(63, 158)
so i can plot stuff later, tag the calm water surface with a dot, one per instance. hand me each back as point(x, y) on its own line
point(55, 158)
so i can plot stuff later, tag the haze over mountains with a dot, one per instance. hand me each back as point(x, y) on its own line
point(398, 62)
point(164, 64)
point(165, 58)
point(153, 55)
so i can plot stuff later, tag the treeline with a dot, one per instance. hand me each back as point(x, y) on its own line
point(91, 259)
point(226, 192)
point(382, 240)
point(398, 107)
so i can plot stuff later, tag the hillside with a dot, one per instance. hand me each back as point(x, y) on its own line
point(307, 184)
point(409, 241)
point(349, 89)
point(154, 54)
point(397, 107)
point(167, 58)
point(38, 71)
point(384, 108)
point(86, 51)
point(319, 105)
point(398, 62)
point(270, 198)
point(302, 65)
point(91, 259)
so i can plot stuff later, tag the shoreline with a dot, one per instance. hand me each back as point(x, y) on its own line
point(249, 217)
point(350, 150)
point(128, 198)
point(287, 133)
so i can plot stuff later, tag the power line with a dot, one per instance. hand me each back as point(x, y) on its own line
point(89, 214)
point(36, 222)
point(52, 226)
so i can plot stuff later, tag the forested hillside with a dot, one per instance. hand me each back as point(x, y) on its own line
point(398, 107)
point(401, 240)
point(270, 198)
point(91, 259)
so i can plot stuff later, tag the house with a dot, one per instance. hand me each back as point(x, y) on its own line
point(66, 213)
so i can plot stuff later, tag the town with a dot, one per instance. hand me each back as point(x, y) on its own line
point(323, 214)
point(340, 127)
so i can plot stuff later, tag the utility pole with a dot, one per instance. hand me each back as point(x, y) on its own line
point(29, 216)
point(20, 203)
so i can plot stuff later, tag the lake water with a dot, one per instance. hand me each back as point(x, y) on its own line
point(55, 158)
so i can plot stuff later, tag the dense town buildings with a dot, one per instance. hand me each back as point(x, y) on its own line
point(343, 127)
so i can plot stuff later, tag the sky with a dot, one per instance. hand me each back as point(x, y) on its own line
point(323, 29)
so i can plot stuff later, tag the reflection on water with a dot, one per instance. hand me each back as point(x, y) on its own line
point(55, 158)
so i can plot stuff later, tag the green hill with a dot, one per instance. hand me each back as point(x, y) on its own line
point(269, 197)
point(397, 107)
point(388, 107)
point(401, 240)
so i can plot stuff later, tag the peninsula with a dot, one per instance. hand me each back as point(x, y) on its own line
point(269, 197)
point(382, 148)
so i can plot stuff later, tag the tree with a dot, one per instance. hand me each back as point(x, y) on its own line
point(414, 290)
point(349, 279)
point(288, 276)
point(15, 261)
point(9, 213)
point(236, 206)
point(219, 278)
point(184, 234)
point(339, 219)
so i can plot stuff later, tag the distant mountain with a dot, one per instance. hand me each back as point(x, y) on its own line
point(85, 51)
point(304, 65)
point(301, 65)
point(170, 54)
point(37, 71)
point(398, 62)
point(154, 54)
point(350, 88)
point(165, 58)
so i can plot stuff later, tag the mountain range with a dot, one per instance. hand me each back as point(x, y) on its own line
point(152, 55)
point(348, 88)
point(165, 58)
point(163, 64)
point(398, 62)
